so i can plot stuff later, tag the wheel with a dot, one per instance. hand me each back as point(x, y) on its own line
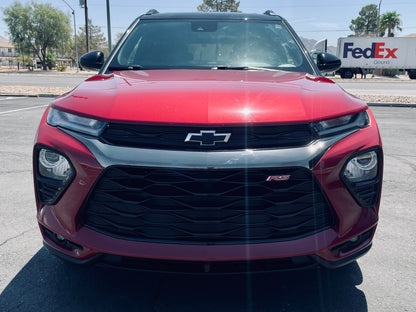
point(347, 73)
point(412, 74)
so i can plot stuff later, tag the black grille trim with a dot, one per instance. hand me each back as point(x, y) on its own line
point(173, 137)
point(215, 206)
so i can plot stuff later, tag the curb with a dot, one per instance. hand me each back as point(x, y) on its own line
point(45, 95)
point(391, 105)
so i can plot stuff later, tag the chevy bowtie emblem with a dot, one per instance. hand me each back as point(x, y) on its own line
point(208, 137)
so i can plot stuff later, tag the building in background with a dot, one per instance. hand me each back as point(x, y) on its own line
point(8, 53)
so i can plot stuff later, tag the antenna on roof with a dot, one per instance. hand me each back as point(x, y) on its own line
point(152, 11)
point(270, 13)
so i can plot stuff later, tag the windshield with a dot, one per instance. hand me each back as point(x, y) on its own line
point(210, 44)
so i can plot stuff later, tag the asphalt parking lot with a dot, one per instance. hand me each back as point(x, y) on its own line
point(33, 280)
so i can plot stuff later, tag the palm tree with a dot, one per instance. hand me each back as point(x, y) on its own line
point(390, 21)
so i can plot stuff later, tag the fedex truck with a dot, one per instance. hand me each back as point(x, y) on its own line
point(366, 53)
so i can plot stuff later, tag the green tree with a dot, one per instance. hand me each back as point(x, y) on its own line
point(390, 21)
point(96, 38)
point(37, 29)
point(219, 6)
point(366, 23)
point(25, 60)
point(117, 38)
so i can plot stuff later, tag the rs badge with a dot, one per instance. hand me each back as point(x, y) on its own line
point(278, 178)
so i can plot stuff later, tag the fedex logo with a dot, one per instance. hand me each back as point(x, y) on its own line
point(377, 50)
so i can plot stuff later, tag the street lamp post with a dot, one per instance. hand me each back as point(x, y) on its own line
point(378, 18)
point(75, 36)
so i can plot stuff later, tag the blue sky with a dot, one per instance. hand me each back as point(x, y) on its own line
point(312, 19)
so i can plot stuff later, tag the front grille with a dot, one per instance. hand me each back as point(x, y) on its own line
point(206, 206)
point(173, 137)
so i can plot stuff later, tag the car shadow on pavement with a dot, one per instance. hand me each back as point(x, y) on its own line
point(50, 284)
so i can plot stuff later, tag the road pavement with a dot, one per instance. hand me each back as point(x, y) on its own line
point(33, 280)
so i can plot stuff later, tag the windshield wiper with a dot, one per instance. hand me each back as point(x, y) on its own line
point(224, 67)
point(135, 67)
point(126, 67)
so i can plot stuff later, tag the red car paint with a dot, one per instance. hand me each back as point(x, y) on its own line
point(207, 98)
point(212, 97)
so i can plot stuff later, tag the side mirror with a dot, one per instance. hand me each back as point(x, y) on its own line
point(327, 62)
point(93, 60)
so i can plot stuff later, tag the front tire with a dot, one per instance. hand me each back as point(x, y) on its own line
point(346, 73)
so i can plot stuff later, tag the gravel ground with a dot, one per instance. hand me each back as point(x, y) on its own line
point(36, 91)
point(388, 99)
point(31, 91)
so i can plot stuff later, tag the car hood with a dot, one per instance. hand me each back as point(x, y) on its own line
point(208, 97)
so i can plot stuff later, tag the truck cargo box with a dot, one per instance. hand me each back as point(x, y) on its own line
point(358, 53)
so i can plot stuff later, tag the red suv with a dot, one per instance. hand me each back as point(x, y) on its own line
point(208, 142)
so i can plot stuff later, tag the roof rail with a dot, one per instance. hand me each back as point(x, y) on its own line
point(270, 13)
point(152, 11)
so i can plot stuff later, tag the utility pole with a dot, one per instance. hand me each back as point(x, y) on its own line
point(83, 4)
point(108, 26)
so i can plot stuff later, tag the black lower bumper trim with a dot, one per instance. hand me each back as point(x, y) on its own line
point(65, 257)
point(208, 267)
point(345, 261)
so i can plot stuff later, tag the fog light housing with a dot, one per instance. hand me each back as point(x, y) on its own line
point(354, 239)
point(361, 174)
point(53, 174)
point(61, 241)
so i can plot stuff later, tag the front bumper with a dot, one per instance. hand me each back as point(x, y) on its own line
point(348, 238)
point(209, 267)
point(195, 259)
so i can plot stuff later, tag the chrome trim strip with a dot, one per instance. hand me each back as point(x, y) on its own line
point(109, 155)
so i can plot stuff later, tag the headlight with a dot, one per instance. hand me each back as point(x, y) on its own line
point(342, 124)
point(73, 122)
point(362, 167)
point(53, 165)
point(362, 176)
point(53, 174)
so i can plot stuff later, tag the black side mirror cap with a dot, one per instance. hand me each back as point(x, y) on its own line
point(93, 60)
point(327, 62)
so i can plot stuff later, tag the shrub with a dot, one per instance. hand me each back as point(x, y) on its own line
point(61, 68)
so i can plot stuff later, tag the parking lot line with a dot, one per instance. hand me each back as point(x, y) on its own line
point(22, 109)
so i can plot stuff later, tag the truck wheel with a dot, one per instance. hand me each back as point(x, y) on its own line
point(347, 73)
point(412, 74)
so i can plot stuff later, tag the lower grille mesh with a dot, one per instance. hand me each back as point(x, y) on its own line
point(206, 206)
